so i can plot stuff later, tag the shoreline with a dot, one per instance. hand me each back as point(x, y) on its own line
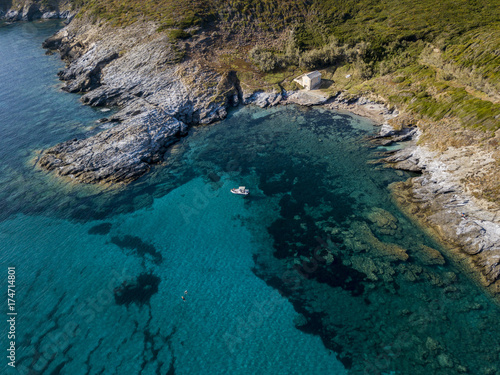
point(32, 11)
point(186, 94)
point(453, 250)
point(467, 227)
point(469, 231)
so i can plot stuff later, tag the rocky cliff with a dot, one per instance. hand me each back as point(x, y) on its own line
point(159, 94)
point(445, 201)
point(29, 10)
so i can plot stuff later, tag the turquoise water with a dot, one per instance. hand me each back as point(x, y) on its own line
point(316, 272)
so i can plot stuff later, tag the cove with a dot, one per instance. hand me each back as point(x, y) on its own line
point(316, 271)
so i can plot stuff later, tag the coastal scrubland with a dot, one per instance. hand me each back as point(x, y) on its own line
point(439, 59)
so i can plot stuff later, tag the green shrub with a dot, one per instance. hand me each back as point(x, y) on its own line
point(177, 34)
point(267, 61)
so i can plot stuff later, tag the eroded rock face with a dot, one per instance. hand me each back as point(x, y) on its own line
point(50, 15)
point(13, 15)
point(441, 199)
point(262, 99)
point(119, 154)
point(31, 12)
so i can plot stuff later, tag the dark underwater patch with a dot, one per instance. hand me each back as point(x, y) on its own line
point(137, 246)
point(313, 324)
point(101, 229)
point(137, 291)
point(289, 238)
point(290, 207)
point(339, 275)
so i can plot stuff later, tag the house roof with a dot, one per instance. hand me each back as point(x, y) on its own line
point(314, 74)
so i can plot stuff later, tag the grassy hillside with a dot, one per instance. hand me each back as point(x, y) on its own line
point(436, 59)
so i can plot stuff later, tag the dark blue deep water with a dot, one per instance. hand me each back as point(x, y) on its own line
point(315, 272)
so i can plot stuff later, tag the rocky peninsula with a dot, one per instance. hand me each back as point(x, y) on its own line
point(443, 201)
point(159, 96)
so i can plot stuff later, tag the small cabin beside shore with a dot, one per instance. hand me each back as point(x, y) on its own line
point(309, 81)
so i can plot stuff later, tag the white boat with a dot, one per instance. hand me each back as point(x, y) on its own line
point(240, 191)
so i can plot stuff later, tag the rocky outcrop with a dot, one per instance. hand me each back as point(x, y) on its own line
point(307, 98)
point(30, 10)
point(50, 15)
point(262, 99)
point(119, 154)
point(406, 160)
point(87, 77)
point(429, 256)
point(375, 108)
point(441, 199)
point(12, 15)
point(141, 71)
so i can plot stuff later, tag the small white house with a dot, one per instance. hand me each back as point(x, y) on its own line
point(309, 81)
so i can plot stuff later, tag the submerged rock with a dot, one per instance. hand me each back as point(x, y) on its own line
point(429, 256)
point(365, 265)
point(371, 243)
point(385, 222)
point(262, 99)
point(432, 344)
point(445, 361)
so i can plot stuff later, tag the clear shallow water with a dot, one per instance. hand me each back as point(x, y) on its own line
point(33, 115)
point(308, 275)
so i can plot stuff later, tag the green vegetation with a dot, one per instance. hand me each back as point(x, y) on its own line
point(176, 34)
point(436, 59)
point(168, 13)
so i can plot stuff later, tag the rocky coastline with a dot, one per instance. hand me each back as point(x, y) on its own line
point(467, 225)
point(160, 94)
point(137, 69)
point(32, 10)
point(440, 198)
point(145, 74)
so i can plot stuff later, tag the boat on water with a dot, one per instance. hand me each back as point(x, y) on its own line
point(240, 191)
